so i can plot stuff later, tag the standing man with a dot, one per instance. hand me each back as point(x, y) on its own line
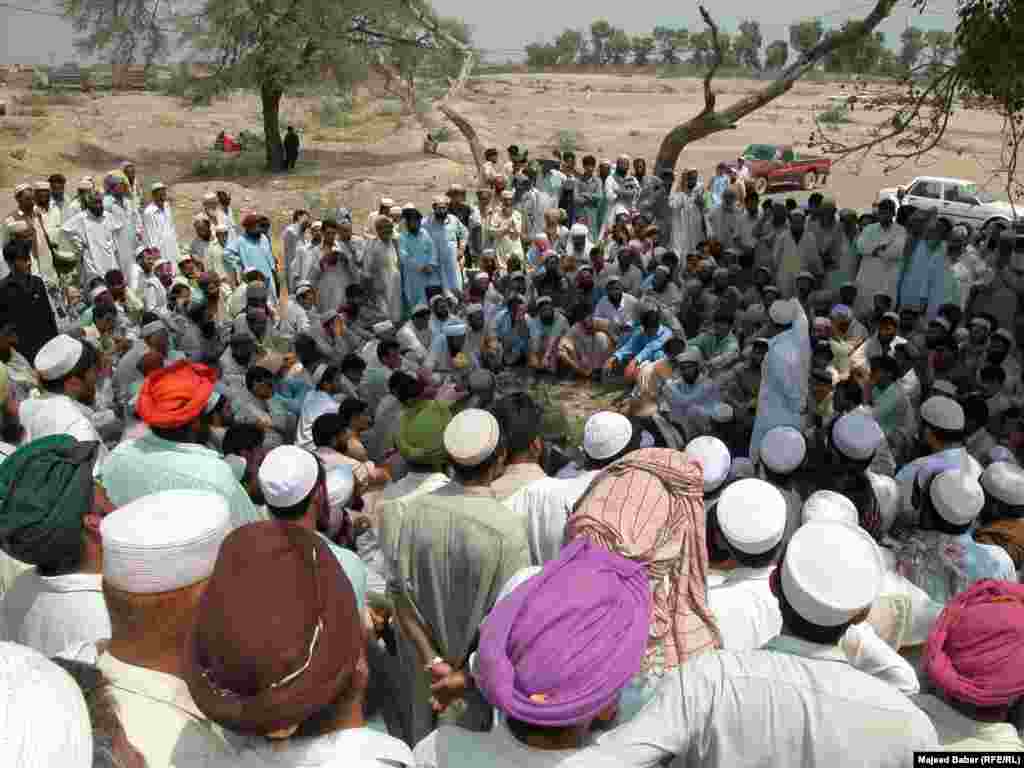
point(158, 222)
point(23, 300)
point(26, 212)
point(291, 238)
point(252, 251)
point(93, 236)
point(291, 149)
point(449, 236)
point(418, 258)
point(688, 223)
point(124, 212)
point(587, 196)
point(381, 271)
point(134, 183)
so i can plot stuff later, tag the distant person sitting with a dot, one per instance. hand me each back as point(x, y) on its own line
point(291, 149)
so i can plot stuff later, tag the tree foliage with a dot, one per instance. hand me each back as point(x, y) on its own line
point(804, 35)
point(643, 47)
point(747, 45)
point(912, 45)
point(671, 43)
point(776, 54)
point(119, 31)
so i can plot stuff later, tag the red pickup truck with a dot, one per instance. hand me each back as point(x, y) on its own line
point(779, 164)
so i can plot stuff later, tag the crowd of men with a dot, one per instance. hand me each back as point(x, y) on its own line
point(299, 508)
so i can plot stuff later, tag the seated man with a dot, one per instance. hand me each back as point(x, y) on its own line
point(415, 336)
point(585, 349)
point(547, 327)
point(257, 405)
point(447, 353)
point(553, 655)
point(691, 397)
point(511, 330)
point(719, 345)
point(645, 344)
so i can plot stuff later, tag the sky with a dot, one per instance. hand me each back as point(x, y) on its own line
point(503, 28)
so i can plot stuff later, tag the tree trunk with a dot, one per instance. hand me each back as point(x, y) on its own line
point(270, 99)
point(469, 133)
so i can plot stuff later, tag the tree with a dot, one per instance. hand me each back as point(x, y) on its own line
point(671, 43)
point(277, 45)
point(747, 45)
point(541, 55)
point(776, 54)
point(805, 35)
point(712, 120)
point(600, 32)
point(860, 57)
point(912, 45)
point(618, 47)
point(940, 46)
point(643, 47)
point(702, 49)
point(121, 31)
point(571, 46)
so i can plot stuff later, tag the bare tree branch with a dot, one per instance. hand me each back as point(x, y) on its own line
point(709, 122)
point(716, 45)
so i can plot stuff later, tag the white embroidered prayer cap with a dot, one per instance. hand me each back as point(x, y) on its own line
point(605, 434)
point(43, 716)
point(454, 329)
point(713, 457)
point(783, 449)
point(782, 312)
point(1004, 481)
point(383, 328)
point(943, 413)
point(722, 413)
point(163, 541)
point(957, 496)
point(752, 515)
point(857, 436)
point(471, 437)
point(831, 572)
point(58, 357)
point(830, 507)
point(287, 475)
point(947, 388)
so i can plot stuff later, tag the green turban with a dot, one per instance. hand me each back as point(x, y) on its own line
point(421, 433)
point(46, 487)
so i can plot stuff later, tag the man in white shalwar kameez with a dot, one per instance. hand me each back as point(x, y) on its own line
point(93, 236)
point(687, 204)
point(881, 247)
point(158, 223)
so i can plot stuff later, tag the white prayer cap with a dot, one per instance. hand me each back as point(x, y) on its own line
point(58, 357)
point(984, 322)
point(441, 200)
point(943, 413)
point(210, 197)
point(783, 449)
point(507, 194)
point(805, 275)
point(419, 309)
point(43, 715)
point(302, 286)
point(1004, 481)
point(317, 225)
point(945, 387)
point(579, 230)
point(473, 309)
point(832, 507)
point(85, 183)
point(542, 300)
point(957, 496)
point(341, 484)
point(287, 475)
point(742, 467)
point(395, 210)
point(752, 515)
point(387, 202)
point(163, 541)
point(157, 185)
point(471, 437)
point(857, 436)
point(437, 297)
point(782, 312)
point(722, 413)
point(605, 434)
point(200, 217)
point(22, 188)
point(41, 186)
point(614, 279)
point(383, 328)
point(690, 355)
point(831, 572)
point(891, 316)
point(713, 457)
point(238, 465)
point(946, 325)
point(1005, 335)
point(452, 330)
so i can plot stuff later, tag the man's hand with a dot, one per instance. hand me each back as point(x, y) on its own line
point(447, 688)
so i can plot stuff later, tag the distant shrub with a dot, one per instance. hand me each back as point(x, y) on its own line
point(441, 135)
point(223, 165)
point(837, 115)
point(389, 107)
point(334, 112)
point(568, 140)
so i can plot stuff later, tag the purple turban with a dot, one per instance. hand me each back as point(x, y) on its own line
point(561, 646)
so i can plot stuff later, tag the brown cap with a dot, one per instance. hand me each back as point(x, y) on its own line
point(257, 672)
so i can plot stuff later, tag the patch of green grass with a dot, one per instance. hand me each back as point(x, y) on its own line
point(224, 165)
point(389, 107)
point(568, 140)
point(837, 115)
point(334, 112)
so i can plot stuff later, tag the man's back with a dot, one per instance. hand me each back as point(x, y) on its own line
point(771, 709)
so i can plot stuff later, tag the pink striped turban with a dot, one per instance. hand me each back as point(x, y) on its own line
point(649, 507)
point(975, 651)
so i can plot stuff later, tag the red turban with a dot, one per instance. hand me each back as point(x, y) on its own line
point(175, 396)
point(975, 651)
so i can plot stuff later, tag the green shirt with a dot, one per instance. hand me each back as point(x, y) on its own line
point(711, 346)
point(150, 464)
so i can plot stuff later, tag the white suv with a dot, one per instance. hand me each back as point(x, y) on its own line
point(958, 202)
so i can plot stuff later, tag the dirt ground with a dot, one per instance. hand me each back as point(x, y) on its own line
point(380, 153)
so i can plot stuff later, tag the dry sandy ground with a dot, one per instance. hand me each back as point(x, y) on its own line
point(380, 154)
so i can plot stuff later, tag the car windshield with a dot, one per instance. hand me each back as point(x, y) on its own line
point(759, 152)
